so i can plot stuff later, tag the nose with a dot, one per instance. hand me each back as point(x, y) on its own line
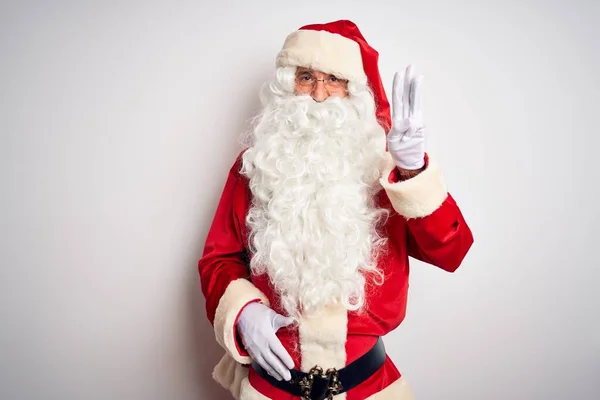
point(319, 92)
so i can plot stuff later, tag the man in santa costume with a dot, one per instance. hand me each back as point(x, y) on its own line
point(306, 263)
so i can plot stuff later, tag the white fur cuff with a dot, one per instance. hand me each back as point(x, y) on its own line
point(324, 51)
point(239, 293)
point(419, 196)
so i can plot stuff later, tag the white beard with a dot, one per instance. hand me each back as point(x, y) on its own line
point(313, 170)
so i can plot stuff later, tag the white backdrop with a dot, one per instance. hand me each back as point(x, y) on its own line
point(119, 121)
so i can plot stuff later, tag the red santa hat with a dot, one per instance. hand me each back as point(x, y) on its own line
point(337, 48)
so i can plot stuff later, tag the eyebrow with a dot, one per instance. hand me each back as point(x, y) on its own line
point(304, 70)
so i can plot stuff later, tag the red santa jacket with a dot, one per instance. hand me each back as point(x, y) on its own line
point(425, 223)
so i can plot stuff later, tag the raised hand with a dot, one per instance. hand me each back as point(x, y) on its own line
point(406, 140)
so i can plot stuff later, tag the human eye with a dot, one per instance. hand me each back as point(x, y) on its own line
point(335, 82)
point(306, 77)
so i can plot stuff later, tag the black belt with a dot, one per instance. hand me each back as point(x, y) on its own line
point(319, 385)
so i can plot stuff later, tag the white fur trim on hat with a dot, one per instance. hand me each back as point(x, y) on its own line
point(323, 51)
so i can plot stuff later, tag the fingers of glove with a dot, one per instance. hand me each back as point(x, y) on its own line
point(411, 139)
point(415, 97)
point(277, 365)
point(408, 77)
point(403, 130)
point(400, 126)
point(267, 367)
point(397, 90)
point(403, 142)
point(279, 321)
point(280, 351)
point(396, 139)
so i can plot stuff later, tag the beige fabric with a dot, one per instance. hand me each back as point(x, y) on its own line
point(416, 197)
point(230, 374)
point(323, 340)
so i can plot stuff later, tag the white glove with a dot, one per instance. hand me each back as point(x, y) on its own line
point(406, 140)
point(257, 325)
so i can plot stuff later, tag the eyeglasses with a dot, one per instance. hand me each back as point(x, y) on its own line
point(307, 80)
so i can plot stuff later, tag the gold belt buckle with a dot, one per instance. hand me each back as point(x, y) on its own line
point(331, 375)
